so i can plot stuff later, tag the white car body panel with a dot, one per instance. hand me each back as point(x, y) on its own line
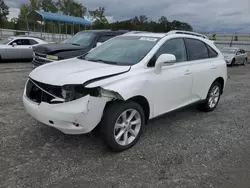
point(62, 72)
point(86, 112)
point(175, 86)
point(19, 51)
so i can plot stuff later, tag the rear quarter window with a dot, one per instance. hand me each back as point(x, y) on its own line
point(32, 42)
point(212, 53)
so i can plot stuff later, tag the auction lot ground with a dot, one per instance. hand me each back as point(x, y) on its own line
point(183, 149)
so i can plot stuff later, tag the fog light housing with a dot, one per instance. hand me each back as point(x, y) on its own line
point(52, 57)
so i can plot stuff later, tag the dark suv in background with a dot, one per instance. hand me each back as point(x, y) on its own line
point(77, 45)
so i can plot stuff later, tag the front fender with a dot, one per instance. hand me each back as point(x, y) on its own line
point(129, 87)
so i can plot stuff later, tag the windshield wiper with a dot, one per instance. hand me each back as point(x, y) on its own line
point(102, 61)
point(75, 44)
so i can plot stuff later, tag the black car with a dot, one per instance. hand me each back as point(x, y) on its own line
point(77, 45)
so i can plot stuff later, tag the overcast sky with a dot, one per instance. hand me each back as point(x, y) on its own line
point(203, 15)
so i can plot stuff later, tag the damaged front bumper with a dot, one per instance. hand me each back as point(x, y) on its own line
point(74, 117)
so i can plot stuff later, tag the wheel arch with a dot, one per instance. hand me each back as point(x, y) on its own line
point(221, 81)
point(143, 102)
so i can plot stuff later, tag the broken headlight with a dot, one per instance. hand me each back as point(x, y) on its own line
point(73, 92)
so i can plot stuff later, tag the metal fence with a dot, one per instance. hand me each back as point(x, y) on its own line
point(50, 37)
point(243, 39)
point(239, 44)
point(230, 37)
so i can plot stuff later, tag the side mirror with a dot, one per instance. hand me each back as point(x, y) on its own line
point(164, 60)
point(14, 44)
point(98, 44)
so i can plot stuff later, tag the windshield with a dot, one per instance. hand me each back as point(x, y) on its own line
point(5, 41)
point(228, 51)
point(81, 39)
point(122, 50)
point(64, 41)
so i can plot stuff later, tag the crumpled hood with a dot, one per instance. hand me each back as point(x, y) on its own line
point(55, 48)
point(74, 71)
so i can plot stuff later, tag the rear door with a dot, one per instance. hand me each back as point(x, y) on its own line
point(238, 57)
point(242, 56)
point(204, 67)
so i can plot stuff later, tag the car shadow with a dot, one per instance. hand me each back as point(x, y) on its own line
point(91, 142)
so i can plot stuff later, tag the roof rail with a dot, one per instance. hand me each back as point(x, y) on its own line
point(187, 33)
point(29, 36)
point(135, 32)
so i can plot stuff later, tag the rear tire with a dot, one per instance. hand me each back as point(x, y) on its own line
point(120, 132)
point(244, 62)
point(213, 97)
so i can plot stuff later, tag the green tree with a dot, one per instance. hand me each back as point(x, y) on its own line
point(24, 10)
point(78, 9)
point(71, 8)
point(48, 6)
point(4, 11)
point(98, 16)
point(35, 5)
point(143, 19)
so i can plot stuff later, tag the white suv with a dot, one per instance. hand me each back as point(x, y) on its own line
point(118, 86)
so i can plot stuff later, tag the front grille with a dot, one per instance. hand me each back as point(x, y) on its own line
point(38, 59)
point(40, 55)
point(39, 92)
point(41, 60)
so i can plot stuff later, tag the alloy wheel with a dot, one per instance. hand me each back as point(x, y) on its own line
point(214, 96)
point(127, 127)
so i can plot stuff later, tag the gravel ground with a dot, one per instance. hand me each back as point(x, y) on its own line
point(182, 149)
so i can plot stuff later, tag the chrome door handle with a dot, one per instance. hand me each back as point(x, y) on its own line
point(187, 72)
point(213, 67)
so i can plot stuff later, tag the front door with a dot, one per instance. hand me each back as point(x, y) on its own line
point(173, 86)
point(21, 50)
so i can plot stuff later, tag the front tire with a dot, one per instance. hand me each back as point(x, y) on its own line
point(122, 125)
point(232, 63)
point(213, 97)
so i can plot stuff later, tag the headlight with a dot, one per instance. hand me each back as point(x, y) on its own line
point(228, 57)
point(73, 92)
point(52, 57)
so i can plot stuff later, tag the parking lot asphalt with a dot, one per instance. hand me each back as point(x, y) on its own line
point(187, 148)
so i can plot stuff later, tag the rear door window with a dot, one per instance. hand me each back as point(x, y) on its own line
point(32, 42)
point(197, 50)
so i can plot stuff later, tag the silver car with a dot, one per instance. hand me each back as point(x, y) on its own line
point(18, 47)
point(234, 56)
